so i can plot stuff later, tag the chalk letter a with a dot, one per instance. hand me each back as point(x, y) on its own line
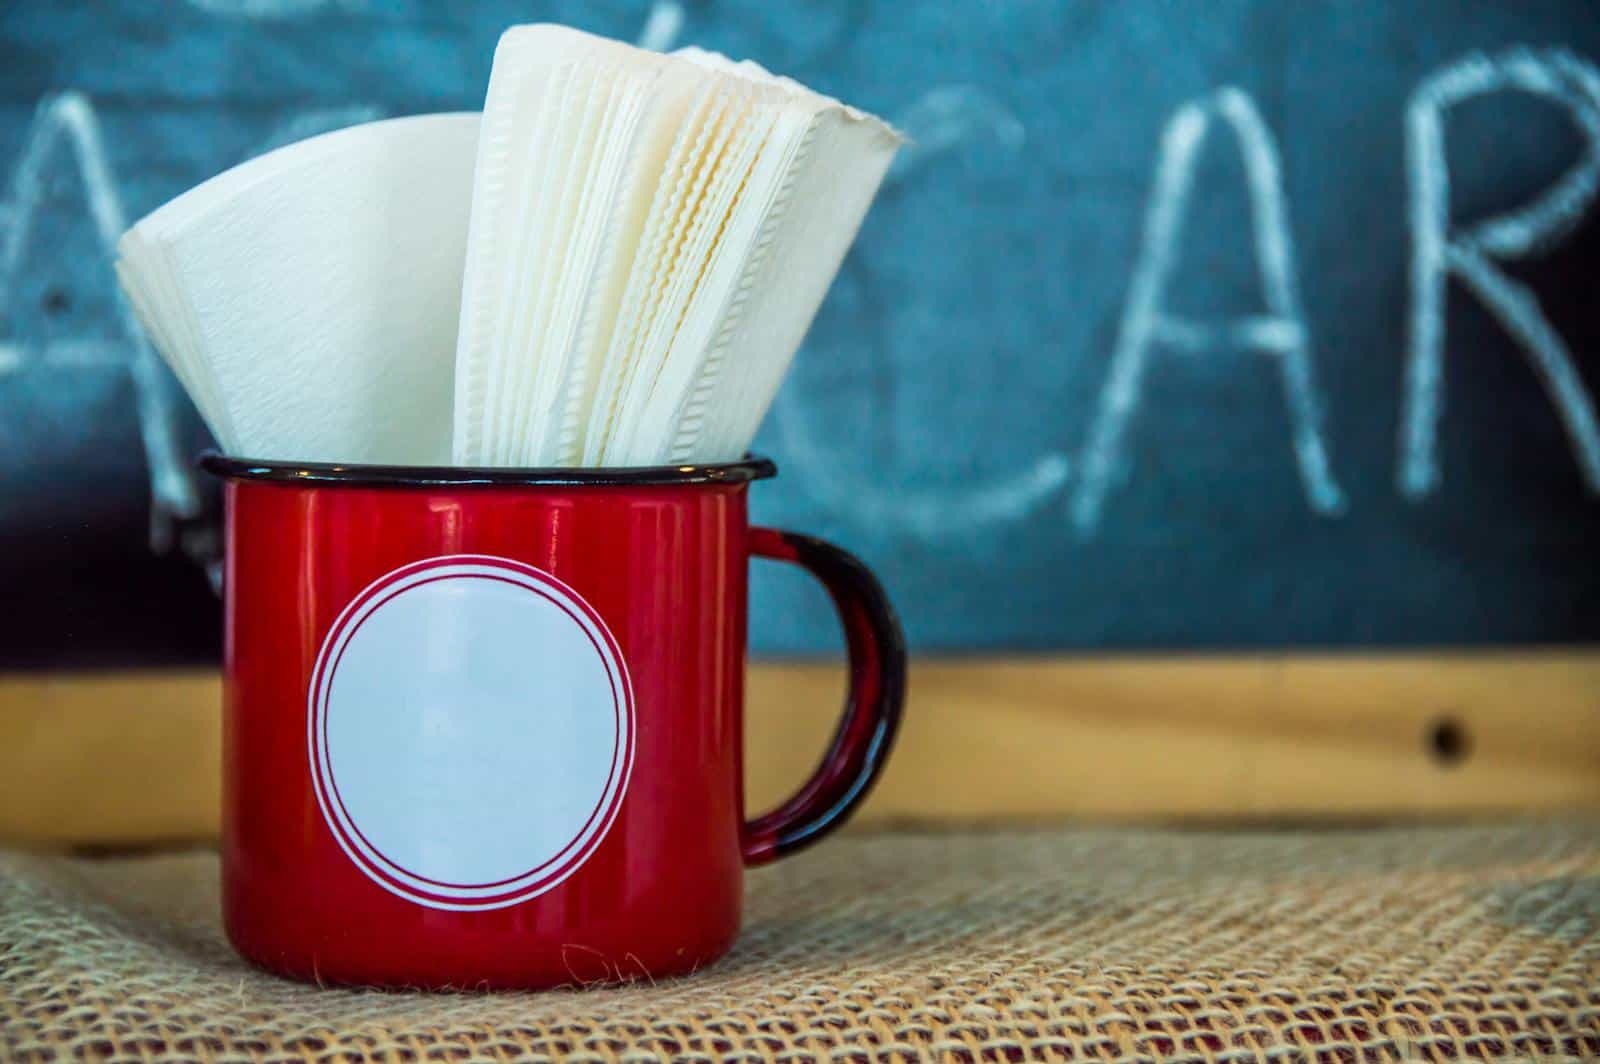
point(1282, 332)
point(67, 122)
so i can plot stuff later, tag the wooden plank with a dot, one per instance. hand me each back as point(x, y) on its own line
point(129, 758)
point(1214, 737)
point(110, 759)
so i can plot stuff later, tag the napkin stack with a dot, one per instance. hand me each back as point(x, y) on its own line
point(651, 236)
point(626, 258)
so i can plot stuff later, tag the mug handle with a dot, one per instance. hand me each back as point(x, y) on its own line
point(860, 746)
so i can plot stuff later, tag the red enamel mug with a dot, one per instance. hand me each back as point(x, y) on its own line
point(483, 728)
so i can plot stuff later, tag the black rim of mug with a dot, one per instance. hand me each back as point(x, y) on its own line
point(752, 467)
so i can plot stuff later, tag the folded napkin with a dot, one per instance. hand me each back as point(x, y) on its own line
point(307, 299)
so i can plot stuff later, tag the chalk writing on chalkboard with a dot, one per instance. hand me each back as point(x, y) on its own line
point(661, 26)
point(942, 121)
point(1282, 334)
point(1365, 405)
point(67, 123)
point(1437, 252)
point(948, 116)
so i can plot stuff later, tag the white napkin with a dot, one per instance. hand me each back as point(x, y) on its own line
point(572, 122)
point(820, 168)
point(651, 237)
point(307, 299)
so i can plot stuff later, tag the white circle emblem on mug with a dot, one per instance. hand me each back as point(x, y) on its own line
point(470, 724)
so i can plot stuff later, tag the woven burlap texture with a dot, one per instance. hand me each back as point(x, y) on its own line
point(1438, 943)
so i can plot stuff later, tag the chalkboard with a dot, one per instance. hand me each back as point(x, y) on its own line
point(1180, 325)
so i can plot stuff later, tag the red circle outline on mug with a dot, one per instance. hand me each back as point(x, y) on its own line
point(366, 856)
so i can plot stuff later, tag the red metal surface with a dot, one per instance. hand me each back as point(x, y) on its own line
point(665, 567)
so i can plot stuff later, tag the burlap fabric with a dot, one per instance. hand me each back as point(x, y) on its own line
point(1440, 943)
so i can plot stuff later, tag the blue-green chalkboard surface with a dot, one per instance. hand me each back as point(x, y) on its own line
point(1180, 325)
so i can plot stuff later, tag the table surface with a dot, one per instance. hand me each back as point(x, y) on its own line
point(1126, 944)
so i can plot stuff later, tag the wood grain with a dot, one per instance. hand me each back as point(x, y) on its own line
point(129, 758)
point(110, 759)
point(1213, 737)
